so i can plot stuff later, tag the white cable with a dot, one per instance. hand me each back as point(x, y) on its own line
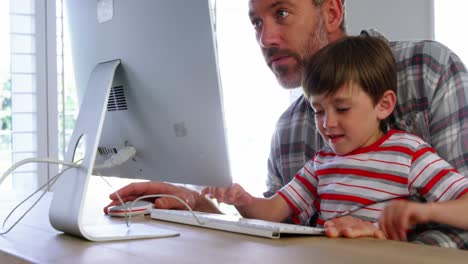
point(122, 156)
point(118, 197)
point(159, 196)
point(128, 214)
point(38, 160)
point(49, 182)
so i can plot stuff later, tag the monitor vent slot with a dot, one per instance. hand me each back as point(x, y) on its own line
point(104, 151)
point(117, 100)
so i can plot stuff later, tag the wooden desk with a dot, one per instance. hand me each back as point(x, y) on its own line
point(34, 240)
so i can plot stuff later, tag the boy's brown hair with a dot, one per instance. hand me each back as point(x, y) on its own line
point(362, 60)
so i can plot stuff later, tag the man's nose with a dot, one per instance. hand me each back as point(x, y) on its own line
point(269, 36)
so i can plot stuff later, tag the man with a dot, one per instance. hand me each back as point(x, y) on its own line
point(432, 101)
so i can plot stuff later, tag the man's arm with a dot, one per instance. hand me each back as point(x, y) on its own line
point(400, 215)
point(437, 183)
point(448, 105)
point(192, 198)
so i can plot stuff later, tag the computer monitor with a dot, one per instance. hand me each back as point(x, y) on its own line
point(152, 82)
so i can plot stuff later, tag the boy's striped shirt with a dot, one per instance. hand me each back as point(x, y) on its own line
point(397, 166)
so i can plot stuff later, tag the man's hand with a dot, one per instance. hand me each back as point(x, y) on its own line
point(351, 227)
point(400, 215)
point(233, 195)
point(135, 190)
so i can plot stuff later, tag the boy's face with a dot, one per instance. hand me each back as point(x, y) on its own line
point(347, 120)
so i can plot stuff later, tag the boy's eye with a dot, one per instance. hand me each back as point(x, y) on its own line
point(318, 112)
point(342, 110)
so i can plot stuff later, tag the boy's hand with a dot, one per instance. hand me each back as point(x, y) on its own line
point(352, 227)
point(400, 215)
point(234, 195)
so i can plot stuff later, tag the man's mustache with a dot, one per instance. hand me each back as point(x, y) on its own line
point(272, 53)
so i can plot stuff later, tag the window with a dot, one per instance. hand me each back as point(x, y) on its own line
point(253, 98)
point(67, 98)
point(450, 26)
point(27, 120)
point(5, 91)
point(18, 79)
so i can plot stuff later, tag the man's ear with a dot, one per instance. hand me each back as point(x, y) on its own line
point(386, 104)
point(333, 12)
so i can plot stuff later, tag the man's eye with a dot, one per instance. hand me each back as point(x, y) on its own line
point(342, 110)
point(282, 14)
point(257, 23)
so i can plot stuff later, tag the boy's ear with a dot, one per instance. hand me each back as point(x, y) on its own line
point(333, 14)
point(386, 104)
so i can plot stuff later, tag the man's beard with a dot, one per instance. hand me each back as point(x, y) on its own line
point(291, 77)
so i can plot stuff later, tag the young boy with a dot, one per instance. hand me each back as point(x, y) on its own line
point(390, 177)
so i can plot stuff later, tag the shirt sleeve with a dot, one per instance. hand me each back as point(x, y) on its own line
point(301, 194)
point(274, 180)
point(433, 178)
point(293, 144)
point(448, 103)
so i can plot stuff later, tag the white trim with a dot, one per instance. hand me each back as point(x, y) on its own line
point(52, 91)
point(431, 15)
point(41, 90)
point(46, 81)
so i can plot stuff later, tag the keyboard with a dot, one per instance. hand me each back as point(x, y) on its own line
point(234, 224)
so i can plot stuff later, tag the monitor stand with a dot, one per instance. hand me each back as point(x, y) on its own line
point(70, 190)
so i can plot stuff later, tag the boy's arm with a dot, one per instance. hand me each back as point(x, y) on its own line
point(271, 209)
point(453, 213)
point(400, 215)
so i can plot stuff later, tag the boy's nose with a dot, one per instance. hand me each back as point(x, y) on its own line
point(329, 121)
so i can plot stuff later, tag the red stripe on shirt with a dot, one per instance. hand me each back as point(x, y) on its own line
point(303, 200)
point(462, 193)
point(360, 186)
point(307, 184)
point(310, 188)
point(293, 207)
point(421, 152)
point(310, 173)
point(325, 154)
point(298, 194)
point(381, 161)
point(320, 222)
point(448, 188)
point(404, 136)
point(345, 197)
point(400, 149)
point(421, 172)
point(364, 173)
point(435, 180)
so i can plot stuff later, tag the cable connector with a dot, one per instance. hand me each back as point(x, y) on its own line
point(122, 156)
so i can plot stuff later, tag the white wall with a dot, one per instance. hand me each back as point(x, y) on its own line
point(396, 19)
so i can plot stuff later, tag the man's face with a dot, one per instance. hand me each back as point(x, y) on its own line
point(288, 31)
